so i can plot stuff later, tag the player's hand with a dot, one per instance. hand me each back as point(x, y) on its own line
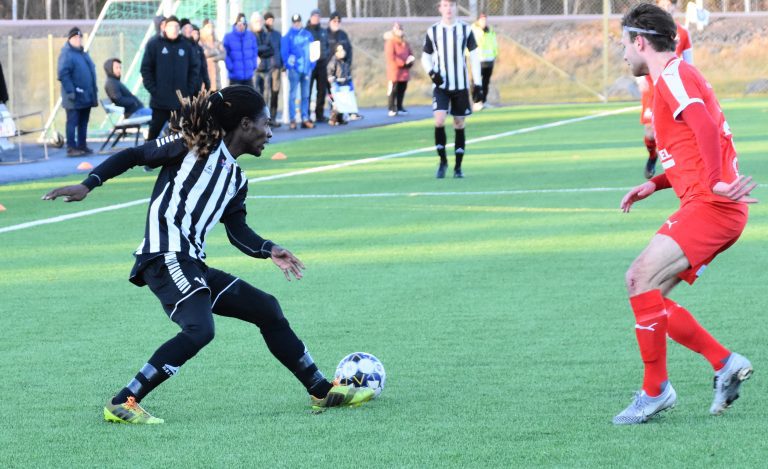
point(477, 93)
point(637, 193)
point(738, 190)
point(437, 79)
point(74, 193)
point(287, 262)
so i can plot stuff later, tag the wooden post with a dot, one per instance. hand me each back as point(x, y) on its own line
point(11, 88)
point(606, 45)
point(122, 46)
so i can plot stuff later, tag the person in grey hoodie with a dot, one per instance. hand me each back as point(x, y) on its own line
point(119, 93)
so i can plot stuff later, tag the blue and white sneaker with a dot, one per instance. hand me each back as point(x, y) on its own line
point(728, 382)
point(643, 407)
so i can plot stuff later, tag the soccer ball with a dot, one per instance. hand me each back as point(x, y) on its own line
point(361, 369)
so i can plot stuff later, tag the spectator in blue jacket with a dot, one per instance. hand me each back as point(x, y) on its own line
point(77, 75)
point(242, 53)
point(295, 51)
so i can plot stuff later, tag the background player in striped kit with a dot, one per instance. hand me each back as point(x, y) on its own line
point(199, 184)
point(446, 64)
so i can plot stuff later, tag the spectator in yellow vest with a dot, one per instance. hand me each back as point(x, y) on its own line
point(489, 50)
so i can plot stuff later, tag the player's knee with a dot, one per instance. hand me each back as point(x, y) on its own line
point(636, 279)
point(273, 316)
point(201, 333)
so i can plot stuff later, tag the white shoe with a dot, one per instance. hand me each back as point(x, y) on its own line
point(392, 113)
point(477, 107)
point(643, 407)
point(728, 382)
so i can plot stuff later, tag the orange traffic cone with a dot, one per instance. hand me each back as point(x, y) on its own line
point(84, 166)
point(279, 156)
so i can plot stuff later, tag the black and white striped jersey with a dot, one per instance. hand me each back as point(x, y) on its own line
point(189, 198)
point(446, 46)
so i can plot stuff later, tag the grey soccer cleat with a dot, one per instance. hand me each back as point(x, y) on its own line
point(728, 382)
point(643, 407)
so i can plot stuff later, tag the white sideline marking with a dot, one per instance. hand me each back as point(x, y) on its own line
point(433, 194)
point(319, 169)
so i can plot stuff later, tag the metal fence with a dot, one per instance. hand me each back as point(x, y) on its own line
point(422, 8)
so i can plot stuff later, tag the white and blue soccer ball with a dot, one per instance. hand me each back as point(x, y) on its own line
point(362, 369)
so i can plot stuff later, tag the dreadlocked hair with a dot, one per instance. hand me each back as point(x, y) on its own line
point(204, 119)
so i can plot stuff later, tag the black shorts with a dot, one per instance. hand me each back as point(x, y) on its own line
point(455, 102)
point(173, 277)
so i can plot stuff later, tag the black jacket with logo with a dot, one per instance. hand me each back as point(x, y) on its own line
point(168, 66)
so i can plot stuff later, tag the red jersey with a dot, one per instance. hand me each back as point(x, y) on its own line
point(684, 48)
point(679, 86)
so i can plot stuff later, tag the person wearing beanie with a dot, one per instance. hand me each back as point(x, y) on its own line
point(269, 69)
point(169, 64)
point(294, 48)
point(242, 52)
point(77, 74)
point(318, 77)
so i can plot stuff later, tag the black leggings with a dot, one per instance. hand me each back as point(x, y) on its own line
point(486, 70)
point(396, 94)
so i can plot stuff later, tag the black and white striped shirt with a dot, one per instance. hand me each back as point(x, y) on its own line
point(446, 46)
point(189, 198)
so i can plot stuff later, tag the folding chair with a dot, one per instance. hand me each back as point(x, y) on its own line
point(120, 125)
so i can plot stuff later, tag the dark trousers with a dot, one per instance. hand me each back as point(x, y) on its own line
point(159, 118)
point(319, 76)
point(486, 70)
point(77, 122)
point(241, 82)
point(396, 95)
point(268, 84)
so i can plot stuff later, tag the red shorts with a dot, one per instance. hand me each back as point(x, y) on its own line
point(703, 230)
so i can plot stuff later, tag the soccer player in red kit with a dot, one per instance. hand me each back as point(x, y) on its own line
point(684, 50)
point(697, 154)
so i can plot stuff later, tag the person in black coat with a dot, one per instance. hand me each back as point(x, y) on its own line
point(319, 73)
point(270, 64)
point(119, 93)
point(77, 75)
point(337, 36)
point(170, 64)
point(205, 78)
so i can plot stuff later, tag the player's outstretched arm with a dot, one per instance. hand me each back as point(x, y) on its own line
point(637, 193)
point(287, 262)
point(74, 193)
point(738, 190)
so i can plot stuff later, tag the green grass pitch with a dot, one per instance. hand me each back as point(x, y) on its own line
point(501, 318)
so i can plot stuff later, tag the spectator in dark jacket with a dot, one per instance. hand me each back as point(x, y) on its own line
point(77, 75)
point(169, 64)
point(192, 34)
point(242, 53)
point(119, 93)
point(318, 74)
point(337, 36)
point(339, 74)
point(269, 68)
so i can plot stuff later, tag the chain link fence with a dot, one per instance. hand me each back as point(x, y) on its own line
point(426, 8)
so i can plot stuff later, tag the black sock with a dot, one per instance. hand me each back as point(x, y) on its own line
point(440, 141)
point(460, 142)
point(291, 352)
point(163, 364)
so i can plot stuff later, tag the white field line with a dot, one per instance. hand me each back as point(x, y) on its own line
point(437, 194)
point(318, 169)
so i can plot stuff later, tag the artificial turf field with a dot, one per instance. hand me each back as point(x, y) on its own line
point(496, 304)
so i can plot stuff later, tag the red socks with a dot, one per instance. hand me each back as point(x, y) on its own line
point(651, 332)
point(685, 330)
point(650, 145)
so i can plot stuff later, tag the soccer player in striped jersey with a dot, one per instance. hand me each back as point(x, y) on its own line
point(200, 184)
point(445, 63)
point(697, 153)
point(684, 50)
